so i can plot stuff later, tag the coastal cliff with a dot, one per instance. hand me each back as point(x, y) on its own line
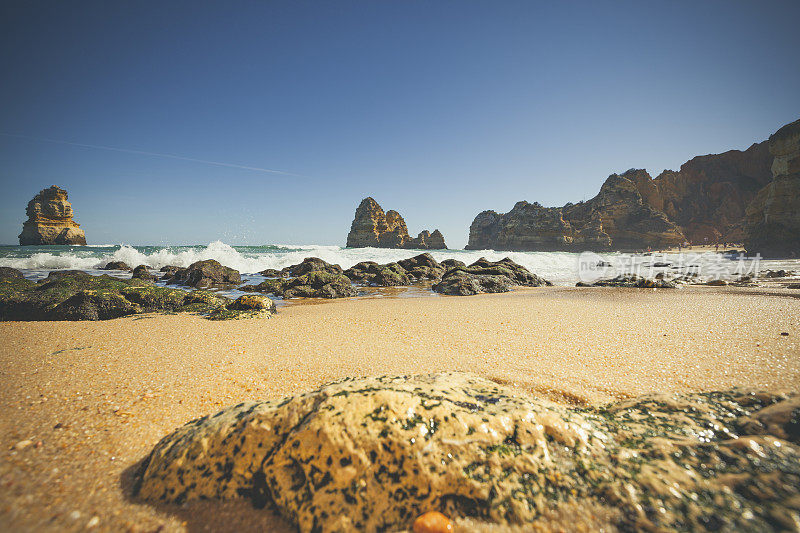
point(50, 220)
point(617, 217)
point(773, 218)
point(376, 228)
point(704, 201)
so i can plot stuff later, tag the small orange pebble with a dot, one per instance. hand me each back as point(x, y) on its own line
point(432, 522)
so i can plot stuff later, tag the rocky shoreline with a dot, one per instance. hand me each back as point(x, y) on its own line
point(200, 287)
point(76, 295)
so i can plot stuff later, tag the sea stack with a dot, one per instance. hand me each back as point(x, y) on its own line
point(50, 220)
point(772, 222)
point(376, 228)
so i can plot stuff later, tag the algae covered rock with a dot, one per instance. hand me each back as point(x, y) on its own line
point(8, 272)
point(205, 274)
point(117, 265)
point(246, 306)
point(309, 264)
point(142, 272)
point(631, 281)
point(484, 276)
point(76, 295)
point(318, 284)
point(371, 454)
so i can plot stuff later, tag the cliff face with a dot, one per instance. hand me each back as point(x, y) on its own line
point(704, 201)
point(376, 228)
point(617, 217)
point(708, 196)
point(772, 224)
point(50, 220)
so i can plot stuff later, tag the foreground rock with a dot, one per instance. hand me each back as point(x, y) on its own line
point(205, 274)
point(372, 454)
point(75, 295)
point(372, 227)
point(773, 218)
point(484, 276)
point(50, 220)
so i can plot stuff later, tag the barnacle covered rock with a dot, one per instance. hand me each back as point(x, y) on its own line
point(372, 454)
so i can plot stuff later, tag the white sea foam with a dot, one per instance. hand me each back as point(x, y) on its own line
point(558, 267)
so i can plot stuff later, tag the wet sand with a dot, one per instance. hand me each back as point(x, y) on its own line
point(82, 403)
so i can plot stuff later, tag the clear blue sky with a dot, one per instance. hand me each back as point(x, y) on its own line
point(438, 109)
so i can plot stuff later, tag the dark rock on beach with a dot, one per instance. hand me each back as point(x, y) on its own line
point(76, 295)
point(319, 284)
point(206, 274)
point(169, 270)
point(142, 272)
point(309, 264)
point(382, 450)
point(487, 276)
point(315, 284)
point(362, 272)
point(460, 283)
point(452, 263)
point(117, 265)
point(631, 281)
point(8, 272)
point(423, 266)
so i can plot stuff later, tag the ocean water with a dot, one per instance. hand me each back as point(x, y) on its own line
point(562, 268)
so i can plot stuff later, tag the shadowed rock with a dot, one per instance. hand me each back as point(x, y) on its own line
point(142, 272)
point(117, 265)
point(205, 274)
point(371, 454)
point(8, 272)
point(773, 218)
point(487, 276)
point(631, 281)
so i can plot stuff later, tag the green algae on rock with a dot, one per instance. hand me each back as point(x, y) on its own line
point(76, 295)
point(371, 454)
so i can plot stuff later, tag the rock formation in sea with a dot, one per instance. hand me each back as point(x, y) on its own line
point(704, 201)
point(50, 220)
point(371, 454)
point(773, 218)
point(372, 227)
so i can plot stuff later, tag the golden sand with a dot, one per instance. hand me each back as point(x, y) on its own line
point(82, 402)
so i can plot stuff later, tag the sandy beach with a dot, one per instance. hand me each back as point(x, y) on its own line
point(83, 402)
